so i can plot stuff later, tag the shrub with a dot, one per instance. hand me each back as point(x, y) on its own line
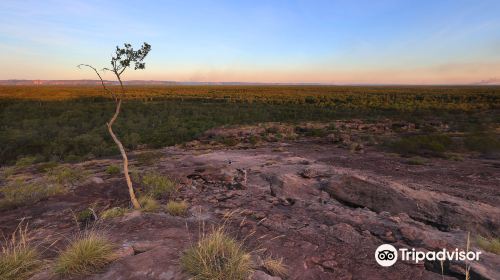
point(67, 176)
point(19, 259)
point(147, 158)
point(175, 208)
point(19, 193)
point(46, 166)
point(149, 204)
point(88, 253)
point(113, 169)
point(157, 185)
point(490, 245)
point(275, 267)
point(113, 213)
point(482, 142)
point(85, 216)
point(217, 257)
point(426, 145)
point(25, 161)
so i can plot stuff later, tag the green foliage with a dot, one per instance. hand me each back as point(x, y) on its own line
point(175, 208)
point(66, 123)
point(113, 213)
point(85, 216)
point(157, 185)
point(88, 253)
point(217, 256)
point(113, 169)
point(425, 145)
point(19, 193)
point(67, 176)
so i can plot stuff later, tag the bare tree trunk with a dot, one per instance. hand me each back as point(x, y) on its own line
point(133, 198)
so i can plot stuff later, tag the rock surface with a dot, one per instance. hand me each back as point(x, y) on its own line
point(322, 208)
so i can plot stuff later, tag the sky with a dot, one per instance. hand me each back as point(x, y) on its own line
point(334, 42)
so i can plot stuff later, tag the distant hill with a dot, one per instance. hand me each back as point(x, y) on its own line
point(132, 82)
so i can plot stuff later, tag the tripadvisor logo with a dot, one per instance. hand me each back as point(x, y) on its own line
point(387, 255)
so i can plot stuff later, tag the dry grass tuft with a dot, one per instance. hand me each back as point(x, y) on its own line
point(149, 204)
point(217, 256)
point(275, 266)
point(175, 208)
point(113, 213)
point(489, 244)
point(19, 259)
point(89, 252)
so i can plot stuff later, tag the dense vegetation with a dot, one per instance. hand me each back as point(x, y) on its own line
point(68, 123)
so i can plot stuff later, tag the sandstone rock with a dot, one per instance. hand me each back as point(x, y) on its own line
point(261, 275)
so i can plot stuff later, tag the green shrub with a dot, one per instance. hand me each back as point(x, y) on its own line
point(85, 216)
point(425, 145)
point(113, 213)
point(157, 185)
point(175, 208)
point(19, 259)
point(20, 193)
point(88, 253)
point(113, 169)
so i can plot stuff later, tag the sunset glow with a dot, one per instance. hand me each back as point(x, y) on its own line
point(334, 42)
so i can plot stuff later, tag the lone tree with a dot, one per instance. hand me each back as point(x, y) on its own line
point(123, 59)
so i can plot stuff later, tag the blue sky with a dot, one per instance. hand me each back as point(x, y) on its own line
point(414, 42)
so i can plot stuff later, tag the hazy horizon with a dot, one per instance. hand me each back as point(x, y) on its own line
point(327, 42)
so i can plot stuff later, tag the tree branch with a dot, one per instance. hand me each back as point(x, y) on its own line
point(100, 78)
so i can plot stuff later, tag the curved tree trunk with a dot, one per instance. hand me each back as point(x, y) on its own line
point(133, 198)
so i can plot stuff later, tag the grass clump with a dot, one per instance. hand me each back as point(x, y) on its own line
point(157, 184)
point(25, 161)
point(489, 244)
point(424, 145)
point(19, 193)
point(149, 204)
point(217, 256)
point(148, 158)
point(113, 213)
point(67, 176)
point(89, 252)
point(19, 259)
point(275, 267)
point(46, 166)
point(416, 161)
point(175, 208)
point(113, 169)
